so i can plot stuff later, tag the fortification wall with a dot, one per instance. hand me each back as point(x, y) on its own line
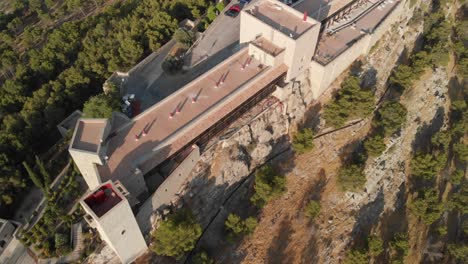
point(322, 76)
point(167, 191)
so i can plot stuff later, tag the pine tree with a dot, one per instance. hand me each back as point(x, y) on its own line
point(34, 177)
point(44, 173)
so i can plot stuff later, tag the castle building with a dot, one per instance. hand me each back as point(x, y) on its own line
point(281, 44)
point(110, 213)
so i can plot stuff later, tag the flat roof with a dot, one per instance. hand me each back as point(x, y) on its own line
point(102, 200)
point(88, 134)
point(172, 123)
point(268, 46)
point(332, 45)
point(279, 17)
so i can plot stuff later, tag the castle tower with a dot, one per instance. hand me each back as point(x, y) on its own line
point(110, 213)
point(87, 148)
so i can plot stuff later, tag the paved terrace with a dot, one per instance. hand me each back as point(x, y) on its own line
point(88, 134)
point(174, 122)
point(320, 9)
point(332, 45)
point(277, 17)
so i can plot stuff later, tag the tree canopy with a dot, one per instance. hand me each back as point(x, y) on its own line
point(176, 235)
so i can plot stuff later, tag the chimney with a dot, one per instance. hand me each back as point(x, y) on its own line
point(305, 16)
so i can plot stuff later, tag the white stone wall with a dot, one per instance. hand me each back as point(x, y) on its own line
point(322, 76)
point(167, 191)
point(86, 162)
point(298, 52)
point(119, 229)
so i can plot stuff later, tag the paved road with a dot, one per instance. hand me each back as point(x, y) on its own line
point(145, 74)
point(223, 32)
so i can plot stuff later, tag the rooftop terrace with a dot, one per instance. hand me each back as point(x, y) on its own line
point(88, 134)
point(268, 46)
point(280, 18)
point(102, 200)
point(365, 19)
point(171, 124)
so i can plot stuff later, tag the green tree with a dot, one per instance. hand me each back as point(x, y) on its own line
point(459, 200)
point(44, 173)
point(458, 252)
point(235, 225)
point(211, 13)
point(351, 178)
point(100, 106)
point(184, 37)
point(390, 116)
point(374, 145)
point(172, 64)
point(424, 165)
point(312, 209)
point(457, 177)
point(375, 246)
point(176, 235)
point(303, 141)
point(427, 206)
point(268, 185)
point(220, 6)
point(461, 150)
point(34, 177)
point(400, 244)
point(403, 76)
point(356, 256)
point(350, 102)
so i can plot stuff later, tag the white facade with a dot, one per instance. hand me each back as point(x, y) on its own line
point(117, 226)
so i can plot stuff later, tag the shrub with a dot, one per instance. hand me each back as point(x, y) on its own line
point(172, 65)
point(374, 145)
point(356, 257)
point(427, 206)
point(220, 6)
point(268, 185)
point(184, 37)
point(202, 258)
point(238, 226)
point(312, 209)
point(351, 178)
point(303, 141)
point(375, 245)
point(400, 244)
point(176, 235)
point(390, 117)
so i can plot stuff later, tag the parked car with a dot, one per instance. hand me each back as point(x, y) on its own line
point(233, 11)
point(244, 2)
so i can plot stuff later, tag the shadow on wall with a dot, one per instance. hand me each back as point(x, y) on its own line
point(422, 140)
point(214, 194)
point(367, 217)
point(393, 221)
